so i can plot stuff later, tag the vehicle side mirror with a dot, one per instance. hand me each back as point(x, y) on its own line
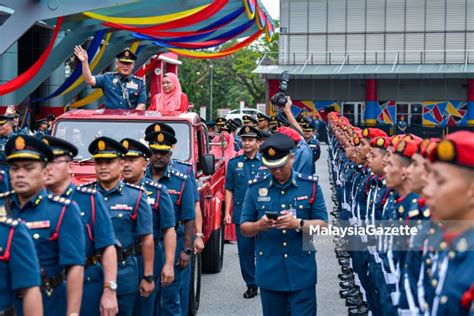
point(208, 164)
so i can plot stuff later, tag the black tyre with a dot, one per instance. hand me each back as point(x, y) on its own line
point(213, 254)
point(195, 285)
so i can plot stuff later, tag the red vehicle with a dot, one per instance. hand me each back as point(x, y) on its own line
point(80, 127)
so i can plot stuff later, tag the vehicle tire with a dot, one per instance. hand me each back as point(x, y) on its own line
point(195, 285)
point(213, 253)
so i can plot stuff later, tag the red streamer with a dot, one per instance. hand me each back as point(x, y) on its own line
point(197, 17)
point(26, 76)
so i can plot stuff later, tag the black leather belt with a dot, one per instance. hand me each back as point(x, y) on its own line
point(8, 312)
point(123, 254)
point(92, 261)
point(50, 283)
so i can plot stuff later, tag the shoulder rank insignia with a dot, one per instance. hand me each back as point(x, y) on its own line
point(134, 186)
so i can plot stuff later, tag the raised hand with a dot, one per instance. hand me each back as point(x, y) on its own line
point(81, 54)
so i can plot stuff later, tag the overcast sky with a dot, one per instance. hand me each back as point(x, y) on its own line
point(273, 7)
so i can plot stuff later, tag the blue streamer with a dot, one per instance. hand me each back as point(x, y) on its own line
point(94, 46)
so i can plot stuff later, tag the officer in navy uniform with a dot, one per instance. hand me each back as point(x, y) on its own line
point(136, 160)
point(41, 128)
point(131, 218)
point(220, 122)
point(249, 120)
point(182, 194)
point(240, 170)
point(198, 244)
point(311, 139)
point(6, 132)
point(122, 90)
point(263, 122)
point(277, 209)
point(54, 223)
point(19, 267)
point(100, 274)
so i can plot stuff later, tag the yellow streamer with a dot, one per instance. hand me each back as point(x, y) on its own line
point(145, 20)
point(91, 66)
point(97, 93)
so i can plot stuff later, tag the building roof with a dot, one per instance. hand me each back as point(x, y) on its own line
point(368, 71)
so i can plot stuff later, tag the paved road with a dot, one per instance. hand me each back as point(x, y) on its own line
point(221, 293)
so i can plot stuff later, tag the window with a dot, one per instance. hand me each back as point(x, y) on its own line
point(416, 114)
point(402, 110)
point(82, 133)
point(348, 111)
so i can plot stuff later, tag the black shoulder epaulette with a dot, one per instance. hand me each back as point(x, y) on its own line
point(8, 221)
point(153, 184)
point(258, 180)
point(88, 184)
point(5, 194)
point(85, 189)
point(178, 174)
point(58, 199)
point(308, 178)
point(183, 162)
point(134, 186)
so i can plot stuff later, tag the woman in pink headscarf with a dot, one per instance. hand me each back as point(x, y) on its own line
point(229, 151)
point(171, 98)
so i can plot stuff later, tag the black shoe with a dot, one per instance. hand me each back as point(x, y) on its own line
point(347, 270)
point(345, 285)
point(345, 277)
point(342, 255)
point(359, 311)
point(344, 262)
point(354, 301)
point(251, 292)
point(350, 292)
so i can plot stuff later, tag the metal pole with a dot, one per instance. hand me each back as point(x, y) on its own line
point(212, 92)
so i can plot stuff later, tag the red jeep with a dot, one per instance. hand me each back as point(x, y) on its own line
point(80, 127)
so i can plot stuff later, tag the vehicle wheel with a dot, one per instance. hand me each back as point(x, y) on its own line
point(213, 254)
point(195, 282)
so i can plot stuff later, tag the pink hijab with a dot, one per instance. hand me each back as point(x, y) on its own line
point(168, 102)
point(229, 152)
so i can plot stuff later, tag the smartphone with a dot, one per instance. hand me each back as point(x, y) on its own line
point(272, 215)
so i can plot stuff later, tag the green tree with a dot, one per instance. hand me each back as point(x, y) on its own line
point(233, 77)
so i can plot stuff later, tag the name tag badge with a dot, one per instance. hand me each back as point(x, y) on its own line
point(302, 198)
point(132, 85)
point(124, 207)
point(151, 201)
point(263, 199)
point(38, 224)
point(240, 164)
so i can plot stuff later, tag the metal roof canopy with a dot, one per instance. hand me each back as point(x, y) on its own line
point(410, 71)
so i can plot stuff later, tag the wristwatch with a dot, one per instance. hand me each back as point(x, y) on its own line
point(200, 235)
point(112, 285)
point(300, 225)
point(149, 278)
point(188, 251)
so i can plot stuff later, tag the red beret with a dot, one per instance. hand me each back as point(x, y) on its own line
point(427, 145)
point(407, 148)
point(294, 135)
point(373, 132)
point(456, 148)
point(380, 142)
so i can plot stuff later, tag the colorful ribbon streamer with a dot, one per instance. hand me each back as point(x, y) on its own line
point(224, 53)
point(26, 76)
point(146, 20)
point(260, 18)
point(250, 8)
point(269, 31)
point(76, 74)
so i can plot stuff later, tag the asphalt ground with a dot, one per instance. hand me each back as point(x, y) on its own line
point(221, 293)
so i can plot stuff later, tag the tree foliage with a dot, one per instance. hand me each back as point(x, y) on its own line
point(233, 77)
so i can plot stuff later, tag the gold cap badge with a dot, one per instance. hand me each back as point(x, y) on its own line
point(125, 144)
point(271, 152)
point(127, 53)
point(157, 128)
point(160, 138)
point(446, 151)
point(101, 145)
point(20, 143)
point(380, 142)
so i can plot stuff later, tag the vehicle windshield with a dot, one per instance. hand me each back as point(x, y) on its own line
point(234, 112)
point(82, 133)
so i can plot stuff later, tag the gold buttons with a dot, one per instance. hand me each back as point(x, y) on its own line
point(283, 231)
point(36, 236)
point(452, 255)
point(285, 244)
point(285, 255)
point(428, 261)
point(282, 192)
point(443, 299)
point(434, 282)
point(283, 206)
point(82, 214)
point(106, 199)
point(260, 253)
point(120, 215)
point(442, 245)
